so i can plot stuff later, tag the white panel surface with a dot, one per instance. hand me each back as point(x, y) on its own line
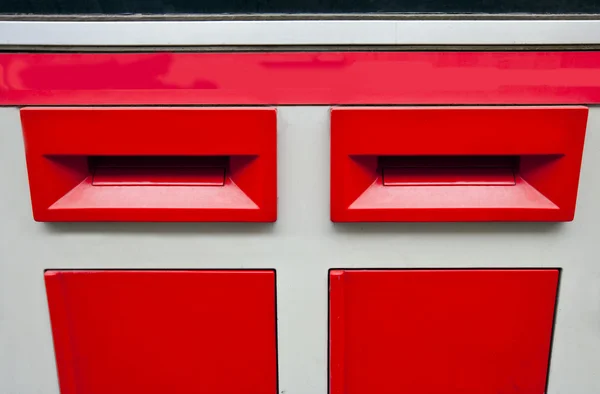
point(300, 32)
point(302, 246)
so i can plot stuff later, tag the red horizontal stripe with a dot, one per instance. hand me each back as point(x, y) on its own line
point(301, 78)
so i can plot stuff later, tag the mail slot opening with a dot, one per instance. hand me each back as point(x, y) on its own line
point(211, 188)
point(158, 170)
point(449, 170)
point(432, 187)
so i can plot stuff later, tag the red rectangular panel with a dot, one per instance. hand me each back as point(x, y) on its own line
point(157, 332)
point(441, 331)
point(288, 78)
point(204, 164)
point(455, 163)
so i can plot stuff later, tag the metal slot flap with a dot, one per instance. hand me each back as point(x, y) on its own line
point(158, 171)
point(445, 176)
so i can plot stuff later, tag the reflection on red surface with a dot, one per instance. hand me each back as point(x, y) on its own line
point(302, 78)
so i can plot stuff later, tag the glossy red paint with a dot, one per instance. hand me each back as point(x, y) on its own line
point(545, 142)
point(156, 332)
point(301, 78)
point(66, 149)
point(441, 331)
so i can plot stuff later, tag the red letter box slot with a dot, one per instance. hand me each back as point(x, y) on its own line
point(157, 332)
point(455, 163)
point(203, 164)
point(463, 331)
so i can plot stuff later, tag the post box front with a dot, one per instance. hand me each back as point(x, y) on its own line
point(275, 198)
